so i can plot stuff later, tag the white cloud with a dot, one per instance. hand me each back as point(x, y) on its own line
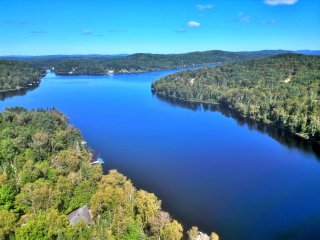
point(271, 21)
point(86, 32)
point(89, 32)
point(243, 18)
point(204, 7)
point(193, 24)
point(181, 30)
point(280, 2)
point(34, 32)
point(118, 30)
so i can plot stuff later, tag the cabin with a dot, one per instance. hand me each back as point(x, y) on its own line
point(81, 214)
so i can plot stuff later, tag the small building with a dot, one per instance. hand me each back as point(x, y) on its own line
point(81, 214)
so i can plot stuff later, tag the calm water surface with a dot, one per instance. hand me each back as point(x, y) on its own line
point(210, 170)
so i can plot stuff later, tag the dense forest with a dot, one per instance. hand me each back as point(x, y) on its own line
point(140, 62)
point(46, 173)
point(283, 90)
point(16, 75)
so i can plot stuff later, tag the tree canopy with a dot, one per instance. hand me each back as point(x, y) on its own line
point(46, 173)
point(16, 75)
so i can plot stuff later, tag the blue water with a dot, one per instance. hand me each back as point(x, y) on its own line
point(209, 169)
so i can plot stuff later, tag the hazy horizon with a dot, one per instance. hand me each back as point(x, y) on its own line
point(126, 54)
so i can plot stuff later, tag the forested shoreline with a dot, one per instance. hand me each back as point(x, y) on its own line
point(46, 172)
point(139, 62)
point(17, 75)
point(283, 90)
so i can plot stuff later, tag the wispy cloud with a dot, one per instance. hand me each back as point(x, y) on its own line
point(86, 32)
point(24, 22)
point(193, 24)
point(242, 18)
point(270, 21)
point(16, 22)
point(204, 7)
point(280, 2)
point(245, 19)
point(36, 32)
point(117, 31)
point(89, 32)
point(181, 30)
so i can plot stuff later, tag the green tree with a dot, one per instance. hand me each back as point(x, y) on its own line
point(147, 205)
point(45, 225)
point(39, 196)
point(172, 231)
point(7, 195)
point(193, 233)
point(7, 150)
point(7, 223)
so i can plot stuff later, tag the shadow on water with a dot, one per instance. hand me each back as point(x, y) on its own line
point(18, 92)
point(309, 229)
point(281, 135)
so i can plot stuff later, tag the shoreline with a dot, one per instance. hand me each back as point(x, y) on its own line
point(12, 90)
point(299, 135)
point(18, 91)
point(31, 85)
point(34, 85)
point(135, 72)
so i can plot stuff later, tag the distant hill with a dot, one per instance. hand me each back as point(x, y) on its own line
point(139, 62)
point(17, 57)
point(95, 64)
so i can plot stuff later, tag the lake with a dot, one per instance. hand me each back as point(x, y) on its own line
point(210, 169)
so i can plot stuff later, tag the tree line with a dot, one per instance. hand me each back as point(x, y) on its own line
point(140, 62)
point(16, 75)
point(46, 173)
point(283, 90)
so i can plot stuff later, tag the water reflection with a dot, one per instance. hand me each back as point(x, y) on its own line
point(18, 92)
point(281, 135)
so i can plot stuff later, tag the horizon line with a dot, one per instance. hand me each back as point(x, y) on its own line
point(127, 54)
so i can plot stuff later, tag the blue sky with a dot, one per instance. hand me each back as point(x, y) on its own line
point(30, 27)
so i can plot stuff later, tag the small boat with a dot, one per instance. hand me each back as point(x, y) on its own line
point(98, 161)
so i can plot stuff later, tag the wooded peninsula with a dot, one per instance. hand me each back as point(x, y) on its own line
point(49, 188)
point(15, 75)
point(283, 90)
